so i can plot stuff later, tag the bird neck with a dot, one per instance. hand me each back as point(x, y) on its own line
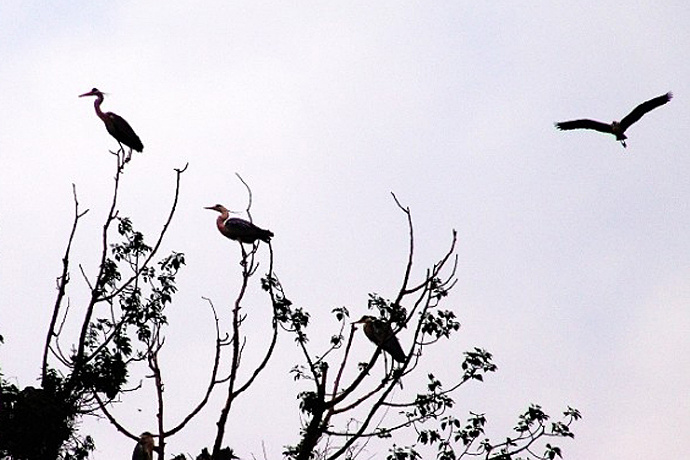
point(97, 105)
point(220, 221)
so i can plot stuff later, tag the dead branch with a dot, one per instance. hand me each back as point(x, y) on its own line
point(62, 281)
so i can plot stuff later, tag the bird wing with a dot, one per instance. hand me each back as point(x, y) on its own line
point(245, 231)
point(584, 124)
point(643, 108)
point(122, 131)
point(139, 453)
point(392, 346)
point(240, 226)
point(382, 335)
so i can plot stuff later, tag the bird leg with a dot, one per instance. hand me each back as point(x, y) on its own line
point(385, 368)
point(246, 255)
point(255, 247)
point(243, 262)
point(129, 155)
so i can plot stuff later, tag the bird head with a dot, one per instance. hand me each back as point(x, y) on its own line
point(147, 444)
point(218, 207)
point(365, 319)
point(93, 92)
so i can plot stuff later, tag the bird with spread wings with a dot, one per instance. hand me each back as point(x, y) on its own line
point(617, 128)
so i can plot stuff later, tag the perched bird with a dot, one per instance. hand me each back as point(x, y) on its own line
point(239, 229)
point(617, 128)
point(116, 125)
point(144, 448)
point(381, 333)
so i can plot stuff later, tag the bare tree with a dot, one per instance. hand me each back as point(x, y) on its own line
point(339, 416)
point(345, 403)
point(235, 385)
point(122, 321)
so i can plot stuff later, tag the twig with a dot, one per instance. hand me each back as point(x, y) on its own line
point(249, 193)
point(62, 284)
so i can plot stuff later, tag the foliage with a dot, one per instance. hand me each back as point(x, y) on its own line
point(121, 325)
point(335, 421)
point(343, 402)
point(40, 423)
point(453, 439)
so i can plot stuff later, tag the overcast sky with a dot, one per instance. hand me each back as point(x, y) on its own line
point(574, 253)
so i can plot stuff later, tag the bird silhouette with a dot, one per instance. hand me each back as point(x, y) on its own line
point(239, 229)
point(144, 448)
point(116, 125)
point(617, 128)
point(381, 333)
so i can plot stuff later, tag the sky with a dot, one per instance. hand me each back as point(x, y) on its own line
point(574, 255)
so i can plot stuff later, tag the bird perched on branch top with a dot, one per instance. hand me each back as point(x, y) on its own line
point(381, 333)
point(617, 128)
point(144, 448)
point(239, 229)
point(116, 125)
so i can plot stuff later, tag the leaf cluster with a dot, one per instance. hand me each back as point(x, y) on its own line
point(454, 439)
point(142, 292)
point(41, 423)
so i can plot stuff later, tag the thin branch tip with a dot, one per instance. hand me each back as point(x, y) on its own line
point(405, 209)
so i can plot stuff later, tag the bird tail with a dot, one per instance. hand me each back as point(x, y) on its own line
point(392, 346)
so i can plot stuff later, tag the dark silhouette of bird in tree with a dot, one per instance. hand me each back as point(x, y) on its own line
point(381, 333)
point(225, 453)
point(116, 125)
point(617, 128)
point(239, 229)
point(144, 448)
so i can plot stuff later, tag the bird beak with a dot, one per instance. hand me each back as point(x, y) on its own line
point(212, 208)
point(93, 92)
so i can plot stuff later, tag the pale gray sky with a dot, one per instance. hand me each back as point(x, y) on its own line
point(574, 253)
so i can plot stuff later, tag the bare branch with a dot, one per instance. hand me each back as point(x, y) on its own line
point(156, 246)
point(410, 256)
point(96, 291)
point(212, 381)
point(63, 279)
point(249, 195)
point(103, 407)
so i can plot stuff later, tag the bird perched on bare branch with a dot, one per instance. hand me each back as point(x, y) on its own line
point(144, 448)
point(617, 128)
point(239, 229)
point(116, 125)
point(381, 333)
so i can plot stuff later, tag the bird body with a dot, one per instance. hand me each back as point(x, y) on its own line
point(239, 229)
point(617, 128)
point(115, 124)
point(381, 334)
point(144, 448)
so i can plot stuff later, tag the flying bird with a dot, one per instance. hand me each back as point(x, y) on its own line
point(617, 128)
point(239, 229)
point(116, 125)
point(381, 333)
point(144, 448)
